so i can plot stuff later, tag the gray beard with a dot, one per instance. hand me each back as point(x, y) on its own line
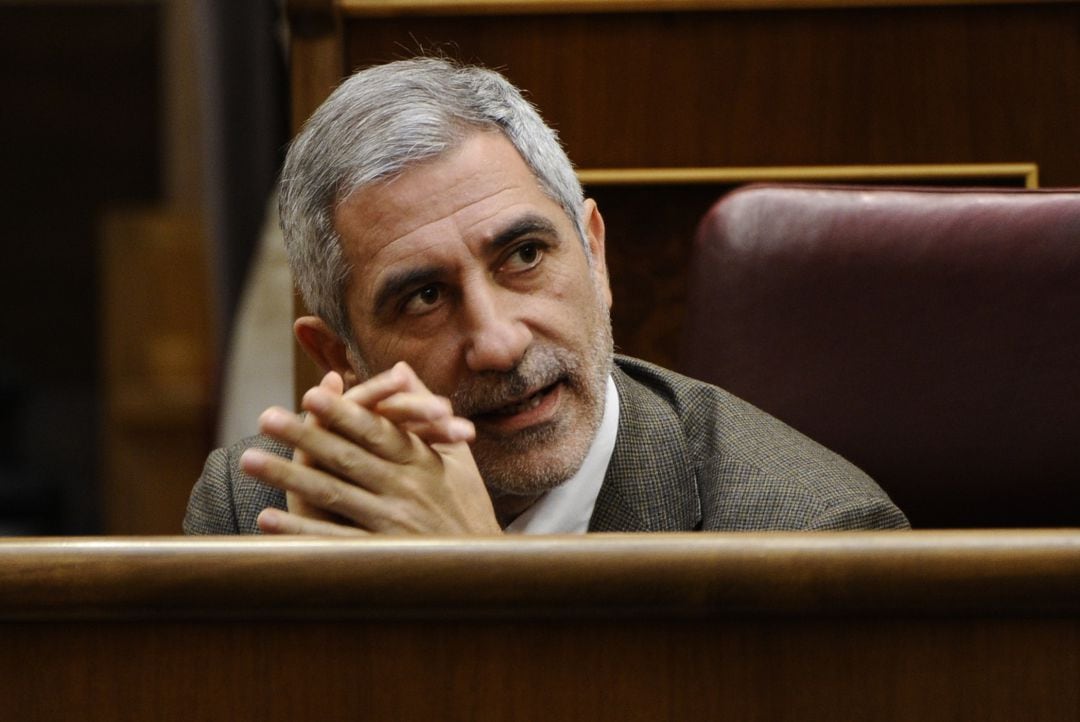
point(509, 465)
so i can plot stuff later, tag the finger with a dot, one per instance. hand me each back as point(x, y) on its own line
point(300, 507)
point(412, 382)
point(276, 521)
point(361, 461)
point(371, 431)
point(421, 412)
point(419, 405)
point(319, 489)
point(442, 431)
point(380, 386)
point(333, 382)
point(299, 455)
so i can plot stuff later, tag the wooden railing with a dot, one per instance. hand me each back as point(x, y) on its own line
point(877, 625)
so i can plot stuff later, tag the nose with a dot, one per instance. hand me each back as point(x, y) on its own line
point(496, 336)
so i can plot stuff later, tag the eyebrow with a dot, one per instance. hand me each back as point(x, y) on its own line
point(524, 226)
point(399, 282)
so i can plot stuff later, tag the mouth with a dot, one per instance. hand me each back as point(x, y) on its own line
point(531, 410)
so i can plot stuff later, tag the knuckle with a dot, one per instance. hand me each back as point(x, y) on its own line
point(348, 464)
point(409, 487)
point(397, 515)
point(357, 423)
point(330, 496)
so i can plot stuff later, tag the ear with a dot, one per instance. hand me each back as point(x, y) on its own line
point(325, 348)
point(594, 235)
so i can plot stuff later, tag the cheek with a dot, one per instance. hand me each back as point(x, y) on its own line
point(569, 284)
point(382, 350)
point(435, 358)
point(569, 311)
point(586, 291)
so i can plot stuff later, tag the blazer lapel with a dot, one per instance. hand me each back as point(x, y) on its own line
point(650, 484)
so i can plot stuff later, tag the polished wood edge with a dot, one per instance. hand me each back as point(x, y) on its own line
point(919, 573)
point(1028, 173)
point(382, 8)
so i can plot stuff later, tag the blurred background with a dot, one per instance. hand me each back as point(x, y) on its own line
point(125, 249)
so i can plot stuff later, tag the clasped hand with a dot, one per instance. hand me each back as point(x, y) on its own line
point(387, 456)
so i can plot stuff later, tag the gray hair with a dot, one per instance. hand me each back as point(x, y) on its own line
point(377, 124)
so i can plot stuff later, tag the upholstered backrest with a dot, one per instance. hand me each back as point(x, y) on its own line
point(931, 336)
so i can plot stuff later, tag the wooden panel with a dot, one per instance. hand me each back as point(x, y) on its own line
point(804, 87)
point(156, 367)
point(885, 625)
point(925, 670)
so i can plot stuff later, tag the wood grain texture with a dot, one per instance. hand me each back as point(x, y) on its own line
point(806, 87)
point(1022, 175)
point(155, 367)
point(889, 626)
point(856, 573)
point(544, 670)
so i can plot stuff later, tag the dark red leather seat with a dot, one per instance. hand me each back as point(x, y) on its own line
point(931, 336)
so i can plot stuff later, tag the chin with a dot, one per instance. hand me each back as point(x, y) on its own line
point(508, 468)
point(532, 462)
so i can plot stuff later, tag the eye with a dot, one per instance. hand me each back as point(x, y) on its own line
point(524, 257)
point(423, 300)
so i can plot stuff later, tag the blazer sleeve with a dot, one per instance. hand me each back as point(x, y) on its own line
point(225, 500)
point(872, 512)
point(211, 509)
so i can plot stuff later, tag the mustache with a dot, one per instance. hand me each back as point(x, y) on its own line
point(540, 367)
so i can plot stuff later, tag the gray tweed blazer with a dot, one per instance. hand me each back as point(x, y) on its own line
point(688, 456)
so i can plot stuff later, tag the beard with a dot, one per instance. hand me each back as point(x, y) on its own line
point(539, 458)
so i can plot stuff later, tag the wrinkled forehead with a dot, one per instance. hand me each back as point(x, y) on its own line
point(465, 195)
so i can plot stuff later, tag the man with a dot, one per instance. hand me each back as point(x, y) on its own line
point(460, 301)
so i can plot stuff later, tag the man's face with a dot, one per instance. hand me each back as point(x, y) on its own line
point(465, 269)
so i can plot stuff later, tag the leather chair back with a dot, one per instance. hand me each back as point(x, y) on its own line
point(931, 336)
